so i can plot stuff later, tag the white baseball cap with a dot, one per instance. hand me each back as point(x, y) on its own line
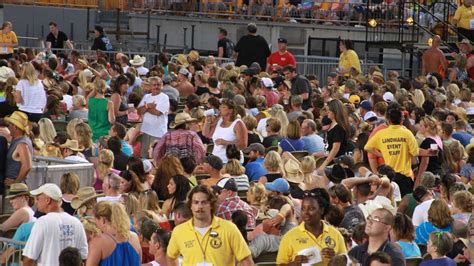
point(49, 189)
point(388, 97)
point(267, 82)
point(369, 115)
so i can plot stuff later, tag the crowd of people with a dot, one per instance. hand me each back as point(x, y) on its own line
point(198, 163)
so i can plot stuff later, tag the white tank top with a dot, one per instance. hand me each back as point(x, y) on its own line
point(31, 214)
point(225, 133)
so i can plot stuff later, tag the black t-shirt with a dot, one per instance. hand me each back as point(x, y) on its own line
point(434, 162)
point(201, 90)
point(67, 207)
point(353, 216)
point(253, 138)
point(227, 45)
point(272, 177)
point(120, 161)
point(271, 141)
point(57, 43)
point(300, 85)
point(252, 49)
point(337, 134)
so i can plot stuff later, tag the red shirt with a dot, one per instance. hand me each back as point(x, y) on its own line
point(281, 59)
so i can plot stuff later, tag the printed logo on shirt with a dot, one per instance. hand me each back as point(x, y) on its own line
point(330, 243)
point(394, 145)
point(189, 244)
point(67, 232)
point(216, 242)
point(302, 240)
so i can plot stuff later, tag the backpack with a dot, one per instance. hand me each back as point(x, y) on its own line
point(229, 48)
point(108, 44)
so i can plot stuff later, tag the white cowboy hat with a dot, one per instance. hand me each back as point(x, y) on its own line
point(137, 60)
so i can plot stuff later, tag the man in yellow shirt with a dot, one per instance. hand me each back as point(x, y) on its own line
point(397, 145)
point(8, 40)
point(207, 240)
point(464, 20)
point(314, 241)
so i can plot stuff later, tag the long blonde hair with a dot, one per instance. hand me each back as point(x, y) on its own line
point(71, 128)
point(308, 164)
point(418, 98)
point(106, 161)
point(281, 116)
point(149, 201)
point(84, 135)
point(29, 73)
point(115, 214)
point(47, 130)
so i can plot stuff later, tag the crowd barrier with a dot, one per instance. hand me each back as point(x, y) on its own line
point(50, 170)
point(13, 258)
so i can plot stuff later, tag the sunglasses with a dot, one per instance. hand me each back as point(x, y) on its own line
point(376, 219)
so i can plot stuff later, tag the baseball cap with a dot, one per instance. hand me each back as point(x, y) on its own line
point(255, 147)
point(214, 161)
point(99, 29)
point(225, 183)
point(49, 189)
point(184, 71)
point(388, 97)
point(354, 99)
point(167, 79)
point(282, 40)
point(278, 185)
point(370, 116)
point(147, 166)
point(332, 74)
point(278, 81)
point(267, 82)
point(366, 105)
point(249, 71)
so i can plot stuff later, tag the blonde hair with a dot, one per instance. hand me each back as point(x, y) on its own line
point(115, 214)
point(100, 86)
point(69, 183)
point(78, 101)
point(439, 214)
point(131, 203)
point(149, 201)
point(90, 226)
point(273, 162)
point(281, 116)
point(418, 98)
point(84, 135)
point(106, 161)
point(293, 130)
point(82, 80)
point(259, 193)
point(250, 122)
point(29, 73)
point(463, 200)
point(47, 130)
point(308, 164)
point(234, 168)
point(71, 128)
point(430, 124)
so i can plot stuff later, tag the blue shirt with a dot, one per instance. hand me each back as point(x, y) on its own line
point(254, 170)
point(439, 262)
point(313, 143)
point(290, 145)
point(463, 137)
point(424, 230)
point(409, 249)
point(126, 148)
point(23, 233)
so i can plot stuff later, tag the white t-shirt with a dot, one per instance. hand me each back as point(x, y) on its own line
point(110, 198)
point(67, 99)
point(51, 234)
point(76, 158)
point(153, 125)
point(34, 97)
point(142, 71)
point(420, 214)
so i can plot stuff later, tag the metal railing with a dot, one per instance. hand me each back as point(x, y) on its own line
point(13, 258)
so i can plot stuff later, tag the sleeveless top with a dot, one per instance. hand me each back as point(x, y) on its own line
point(12, 166)
point(123, 119)
point(225, 133)
point(31, 214)
point(123, 254)
point(98, 118)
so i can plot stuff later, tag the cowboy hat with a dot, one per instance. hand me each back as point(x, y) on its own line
point(193, 56)
point(181, 60)
point(18, 189)
point(20, 120)
point(137, 60)
point(73, 145)
point(180, 119)
point(293, 171)
point(466, 42)
point(83, 195)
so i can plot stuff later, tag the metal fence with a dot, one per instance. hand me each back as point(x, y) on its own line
point(14, 257)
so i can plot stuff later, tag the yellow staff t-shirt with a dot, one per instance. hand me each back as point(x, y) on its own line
point(9, 38)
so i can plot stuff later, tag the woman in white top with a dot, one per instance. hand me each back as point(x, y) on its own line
point(21, 201)
point(30, 95)
point(225, 129)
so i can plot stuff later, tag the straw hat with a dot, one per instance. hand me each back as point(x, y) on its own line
point(72, 145)
point(6, 73)
point(20, 120)
point(182, 60)
point(18, 189)
point(466, 42)
point(293, 171)
point(180, 119)
point(83, 195)
point(193, 56)
point(137, 60)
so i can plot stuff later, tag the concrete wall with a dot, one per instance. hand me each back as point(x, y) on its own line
point(32, 21)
